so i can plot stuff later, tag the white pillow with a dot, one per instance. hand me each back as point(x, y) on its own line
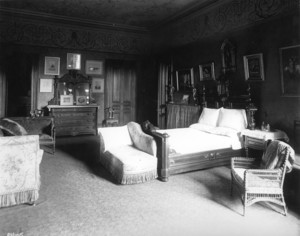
point(209, 116)
point(115, 137)
point(232, 118)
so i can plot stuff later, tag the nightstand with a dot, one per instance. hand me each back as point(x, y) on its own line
point(258, 139)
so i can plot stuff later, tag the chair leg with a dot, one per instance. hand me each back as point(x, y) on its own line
point(284, 205)
point(244, 204)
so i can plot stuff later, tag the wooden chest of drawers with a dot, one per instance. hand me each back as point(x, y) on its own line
point(75, 120)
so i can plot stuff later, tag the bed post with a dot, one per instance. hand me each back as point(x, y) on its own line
point(204, 102)
point(163, 163)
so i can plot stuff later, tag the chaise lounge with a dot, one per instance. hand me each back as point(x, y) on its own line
point(128, 153)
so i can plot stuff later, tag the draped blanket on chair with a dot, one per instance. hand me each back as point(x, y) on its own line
point(275, 156)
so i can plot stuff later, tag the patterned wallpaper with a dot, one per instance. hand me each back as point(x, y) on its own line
point(49, 35)
point(231, 16)
point(221, 19)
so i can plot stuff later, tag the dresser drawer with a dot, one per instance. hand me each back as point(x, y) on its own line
point(75, 120)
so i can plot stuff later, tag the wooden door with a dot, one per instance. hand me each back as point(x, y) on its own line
point(120, 90)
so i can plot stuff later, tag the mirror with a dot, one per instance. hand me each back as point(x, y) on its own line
point(75, 84)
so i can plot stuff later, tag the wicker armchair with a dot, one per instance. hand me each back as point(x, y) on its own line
point(263, 180)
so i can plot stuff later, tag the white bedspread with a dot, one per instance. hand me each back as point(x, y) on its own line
point(199, 138)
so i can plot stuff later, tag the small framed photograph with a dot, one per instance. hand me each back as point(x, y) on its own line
point(73, 61)
point(81, 100)
point(94, 67)
point(290, 70)
point(254, 67)
point(52, 65)
point(184, 79)
point(207, 71)
point(46, 85)
point(66, 100)
point(97, 85)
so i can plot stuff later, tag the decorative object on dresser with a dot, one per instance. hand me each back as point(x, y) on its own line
point(75, 120)
point(254, 67)
point(72, 84)
point(259, 139)
point(263, 180)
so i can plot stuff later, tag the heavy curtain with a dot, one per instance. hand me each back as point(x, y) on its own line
point(163, 76)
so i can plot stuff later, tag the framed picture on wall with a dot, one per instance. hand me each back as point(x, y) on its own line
point(254, 67)
point(52, 66)
point(73, 61)
point(184, 79)
point(207, 71)
point(290, 70)
point(97, 85)
point(94, 67)
point(46, 85)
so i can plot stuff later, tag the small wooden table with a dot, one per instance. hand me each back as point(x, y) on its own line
point(259, 140)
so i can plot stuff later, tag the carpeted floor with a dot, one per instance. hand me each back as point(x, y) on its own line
point(78, 197)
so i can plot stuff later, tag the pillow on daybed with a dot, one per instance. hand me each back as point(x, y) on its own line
point(11, 127)
point(233, 118)
point(115, 137)
point(209, 116)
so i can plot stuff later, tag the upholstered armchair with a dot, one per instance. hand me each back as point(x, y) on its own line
point(263, 180)
point(20, 159)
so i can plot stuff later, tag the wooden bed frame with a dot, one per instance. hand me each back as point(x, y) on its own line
point(174, 164)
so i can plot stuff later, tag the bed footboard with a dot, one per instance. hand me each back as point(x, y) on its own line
point(163, 166)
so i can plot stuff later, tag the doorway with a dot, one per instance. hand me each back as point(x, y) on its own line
point(121, 89)
point(19, 70)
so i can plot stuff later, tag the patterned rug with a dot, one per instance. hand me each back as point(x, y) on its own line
point(79, 197)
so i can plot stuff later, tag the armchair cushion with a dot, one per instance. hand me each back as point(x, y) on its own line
point(11, 127)
point(20, 158)
point(141, 140)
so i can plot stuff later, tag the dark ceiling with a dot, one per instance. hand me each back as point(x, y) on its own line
point(135, 13)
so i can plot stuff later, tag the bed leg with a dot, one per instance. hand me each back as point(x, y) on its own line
point(164, 175)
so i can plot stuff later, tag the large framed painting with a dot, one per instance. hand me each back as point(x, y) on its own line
point(184, 79)
point(254, 67)
point(290, 70)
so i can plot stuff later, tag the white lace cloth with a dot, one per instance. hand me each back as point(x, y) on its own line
point(266, 135)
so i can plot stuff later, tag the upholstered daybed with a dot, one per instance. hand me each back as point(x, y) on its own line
point(128, 153)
